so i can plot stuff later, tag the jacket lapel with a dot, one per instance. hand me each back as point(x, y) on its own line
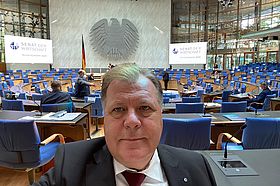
point(174, 174)
point(101, 172)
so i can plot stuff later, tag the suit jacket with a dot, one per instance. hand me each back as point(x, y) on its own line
point(81, 88)
point(57, 97)
point(90, 163)
point(261, 97)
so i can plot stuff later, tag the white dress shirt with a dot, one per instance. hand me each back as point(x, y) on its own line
point(154, 173)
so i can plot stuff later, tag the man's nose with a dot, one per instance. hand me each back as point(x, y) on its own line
point(132, 120)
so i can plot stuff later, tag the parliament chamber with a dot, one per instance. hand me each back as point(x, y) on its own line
point(209, 97)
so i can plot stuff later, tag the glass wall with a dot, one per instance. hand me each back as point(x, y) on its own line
point(233, 32)
point(27, 18)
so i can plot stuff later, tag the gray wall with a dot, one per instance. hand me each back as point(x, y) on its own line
point(69, 19)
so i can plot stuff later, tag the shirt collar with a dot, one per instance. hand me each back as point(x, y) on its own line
point(153, 171)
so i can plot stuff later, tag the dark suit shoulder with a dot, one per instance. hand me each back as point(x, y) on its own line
point(185, 163)
point(70, 163)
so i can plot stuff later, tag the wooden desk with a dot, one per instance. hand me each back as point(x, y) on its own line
point(209, 96)
point(73, 130)
point(275, 104)
point(238, 97)
point(83, 107)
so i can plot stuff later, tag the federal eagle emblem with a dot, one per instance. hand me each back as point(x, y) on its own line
point(113, 40)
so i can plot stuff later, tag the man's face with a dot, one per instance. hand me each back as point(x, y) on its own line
point(132, 122)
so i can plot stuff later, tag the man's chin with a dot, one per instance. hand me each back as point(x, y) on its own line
point(135, 159)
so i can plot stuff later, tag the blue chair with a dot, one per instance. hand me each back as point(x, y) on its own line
point(193, 134)
point(46, 85)
point(165, 100)
point(199, 93)
point(10, 82)
point(191, 99)
point(25, 80)
point(21, 146)
point(260, 133)
point(189, 108)
point(97, 108)
point(22, 96)
point(209, 88)
point(243, 88)
point(12, 105)
point(5, 85)
point(37, 96)
point(224, 98)
point(68, 106)
point(234, 106)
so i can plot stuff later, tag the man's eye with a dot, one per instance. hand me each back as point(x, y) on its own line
point(145, 108)
point(118, 109)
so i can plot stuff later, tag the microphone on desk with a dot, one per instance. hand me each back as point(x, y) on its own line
point(40, 110)
point(204, 111)
point(237, 132)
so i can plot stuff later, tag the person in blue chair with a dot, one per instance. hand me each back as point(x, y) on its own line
point(56, 96)
point(253, 100)
point(82, 86)
point(130, 150)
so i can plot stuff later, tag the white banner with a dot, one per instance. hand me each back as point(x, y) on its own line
point(188, 53)
point(27, 50)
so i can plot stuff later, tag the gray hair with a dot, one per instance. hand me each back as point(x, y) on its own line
point(129, 72)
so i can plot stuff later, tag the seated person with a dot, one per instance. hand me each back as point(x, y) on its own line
point(254, 100)
point(132, 99)
point(82, 85)
point(91, 76)
point(56, 96)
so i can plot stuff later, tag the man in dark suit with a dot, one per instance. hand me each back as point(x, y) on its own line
point(56, 96)
point(132, 99)
point(82, 85)
point(165, 78)
point(255, 101)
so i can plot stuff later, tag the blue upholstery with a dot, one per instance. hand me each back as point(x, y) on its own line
point(191, 99)
point(22, 96)
point(165, 100)
point(37, 96)
point(199, 93)
point(243, 88)
point(57, 107)
point(20, 146)
point(225, 95)
point(234, 106)
point(25, 80)
point(191, 134)
point(260, 133)
point(97, 108)
point(10, 82)
point(12, 105)
point(189, 108)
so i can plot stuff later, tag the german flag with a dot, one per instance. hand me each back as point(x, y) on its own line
point(83, 55)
